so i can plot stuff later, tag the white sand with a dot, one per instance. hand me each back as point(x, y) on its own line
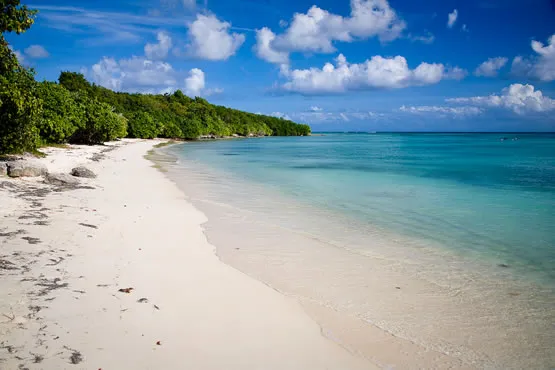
point(205, 314)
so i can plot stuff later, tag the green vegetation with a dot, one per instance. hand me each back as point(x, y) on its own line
point(75, 111)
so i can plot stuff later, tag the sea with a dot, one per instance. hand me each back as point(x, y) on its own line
point(442, 244)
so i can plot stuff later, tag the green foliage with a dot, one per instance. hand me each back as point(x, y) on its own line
point(61, 115)
point(142, 125)
point(74, 82)
point(14, 17)
point(100, 123)
point(19, 112)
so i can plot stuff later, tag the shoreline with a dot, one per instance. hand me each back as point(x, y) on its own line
point(353, 293)
point(69, 257)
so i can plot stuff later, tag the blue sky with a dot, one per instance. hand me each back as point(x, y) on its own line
point(372, 65)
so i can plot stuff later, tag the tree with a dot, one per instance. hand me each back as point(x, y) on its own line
point(142, 125)
point(74, 81)
point(100, 123)
point(20, 108)
point(15, 17)
point(61, 114)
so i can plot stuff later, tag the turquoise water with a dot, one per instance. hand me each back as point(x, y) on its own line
point(473, 194)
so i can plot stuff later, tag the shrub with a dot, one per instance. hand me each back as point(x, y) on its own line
point(19, 112)
point(100, 123)
point(61, 115)
point(142, 125)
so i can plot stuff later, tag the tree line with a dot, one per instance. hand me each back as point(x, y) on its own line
point(73, 110)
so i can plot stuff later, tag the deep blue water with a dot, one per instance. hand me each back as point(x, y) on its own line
point(473, 193)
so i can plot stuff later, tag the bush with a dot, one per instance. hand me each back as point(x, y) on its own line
point(143, 126)
point(19, 112)
point(100, 123)
point(171, 130)
point(61, 115)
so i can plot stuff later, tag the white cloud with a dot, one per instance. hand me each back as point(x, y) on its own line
point(428, 38)
point(464, 28)
point(452, 18)
point(377, 72)
point(160, 50)
point(517, 97)
point(440, 110)
point(491, 67)
point(36, 52)
point(194, 83)
point(318, 29)
point(315, 109)
point(105, 27)
point(19, 56)
point(321, 116)
point(209, 38)
point(138, 74)
point(539, 67)
point(280, 115)
point(264, 50)
point(135, 74)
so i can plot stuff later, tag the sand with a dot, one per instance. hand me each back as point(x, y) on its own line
point(65, 254)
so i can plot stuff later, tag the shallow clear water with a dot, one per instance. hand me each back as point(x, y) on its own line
point(438, 246)
point(472, 194)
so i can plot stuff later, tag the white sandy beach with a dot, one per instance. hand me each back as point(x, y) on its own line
point(65, 254)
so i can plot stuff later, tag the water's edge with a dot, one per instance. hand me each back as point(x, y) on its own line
point(380, 331)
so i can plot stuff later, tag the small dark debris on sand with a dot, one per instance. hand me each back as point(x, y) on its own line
point(88, 225)
point(7, 265)
point(37, 359)
point(12, 233)
point(55, 261)
point(31, 240)
point(41, 223)
point(143, 300)
point(50, 285)
point(76, 357)
point(125, 290)
point(158, 343)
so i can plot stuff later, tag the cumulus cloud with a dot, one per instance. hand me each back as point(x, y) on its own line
point(211, 39)
point(452, 18)
point(540, 66)
point(36, 52)
point(442, 111)
point(490, 67)
point(280, 115)
point(264, 50)
point(517, 97)
point(194, 83)
point(135, 74)
point(377, 72)
point(139, 74)
point(160, 50)
point(317, 29)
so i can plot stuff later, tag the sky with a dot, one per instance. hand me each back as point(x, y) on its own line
point(358, 65)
